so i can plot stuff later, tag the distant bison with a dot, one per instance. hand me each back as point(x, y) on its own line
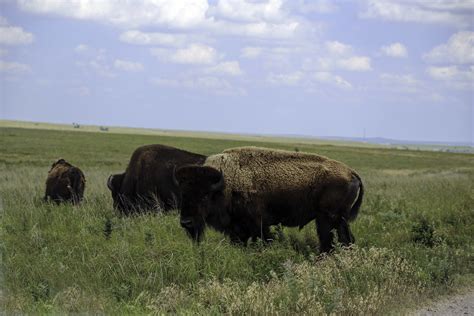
point(64, 183)
point(147, 182)
point(243, 191)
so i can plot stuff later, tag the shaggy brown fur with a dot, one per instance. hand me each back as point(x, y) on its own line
point(263, 187)
point(65, 183)
point(148, 180)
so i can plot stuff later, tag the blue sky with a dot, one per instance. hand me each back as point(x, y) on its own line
point(396, 69)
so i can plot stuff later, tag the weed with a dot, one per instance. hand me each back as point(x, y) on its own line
point(423, 233)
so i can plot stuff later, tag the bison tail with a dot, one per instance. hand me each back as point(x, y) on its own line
point(356, 206)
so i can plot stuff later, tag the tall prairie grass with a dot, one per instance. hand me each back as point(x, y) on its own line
point(414, 238)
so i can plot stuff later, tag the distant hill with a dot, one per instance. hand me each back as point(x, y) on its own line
point(459, 147)
point(386, 141)
point(284, 138)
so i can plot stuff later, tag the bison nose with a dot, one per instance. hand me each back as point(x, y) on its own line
point(186, 222)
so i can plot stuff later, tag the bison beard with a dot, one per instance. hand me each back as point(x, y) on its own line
point(243, 191)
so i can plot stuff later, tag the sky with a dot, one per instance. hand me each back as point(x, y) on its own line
point(395, 69)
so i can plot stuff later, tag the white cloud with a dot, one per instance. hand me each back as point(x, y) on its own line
point(250, 11)
point(407, 79)
point(329, 78)
point(13, 35)
point(395, 50)
point(355, 63)
point(128, 65)
point(197, 54)
point(231, 68)
point(336, 55)
point(268, 19)
point(451, 73)
point(263, 30)
point(401, 83)
point(156, 38)
point(208, 84)
point(443, 73)
point(338, 48)
point(459, 49)
point(177, 14)
point(317, 6)
point(457, 13)
point(213, 83)
point(165, 82)
point(250, 52)
point(81, 48)
point(453, 76)
point(14, 67)
point(287, 79)
point(3, 52)
point(95, 60)
point(101, 68)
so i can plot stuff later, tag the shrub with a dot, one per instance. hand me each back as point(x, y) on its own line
point(423, 233)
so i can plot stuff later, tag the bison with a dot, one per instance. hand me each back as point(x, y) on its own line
point(147, 181)
point(243, 191)
point(64, 183)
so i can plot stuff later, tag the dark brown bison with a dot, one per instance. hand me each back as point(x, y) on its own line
point(147, 183)
point(64, 183)
point(243, 191)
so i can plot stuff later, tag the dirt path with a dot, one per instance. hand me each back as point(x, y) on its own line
point(462, 304)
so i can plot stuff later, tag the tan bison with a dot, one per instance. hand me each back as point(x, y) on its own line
point(243, 191)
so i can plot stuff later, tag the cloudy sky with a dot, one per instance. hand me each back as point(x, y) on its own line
point(398, 69)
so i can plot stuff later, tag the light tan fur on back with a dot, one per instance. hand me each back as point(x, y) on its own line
point(254, 169)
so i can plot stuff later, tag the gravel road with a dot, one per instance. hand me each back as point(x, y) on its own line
point(462, 304)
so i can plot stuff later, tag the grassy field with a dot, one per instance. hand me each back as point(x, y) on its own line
point(186, 134)
point(414, 235)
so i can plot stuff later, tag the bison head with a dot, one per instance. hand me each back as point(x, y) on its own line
point(114, 183)
point(202, 196)
point(57, 162)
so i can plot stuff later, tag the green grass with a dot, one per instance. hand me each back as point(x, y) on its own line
point(414, 236)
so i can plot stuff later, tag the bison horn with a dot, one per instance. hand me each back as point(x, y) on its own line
point(218, 185)
point(175, 180)
point(109, 183)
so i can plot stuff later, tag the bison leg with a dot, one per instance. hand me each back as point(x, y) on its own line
point(344, 233)
point(267, 234)
point(76, 200)
point(325, 234)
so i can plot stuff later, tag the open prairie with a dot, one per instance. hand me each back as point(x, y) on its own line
point(414, 237)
